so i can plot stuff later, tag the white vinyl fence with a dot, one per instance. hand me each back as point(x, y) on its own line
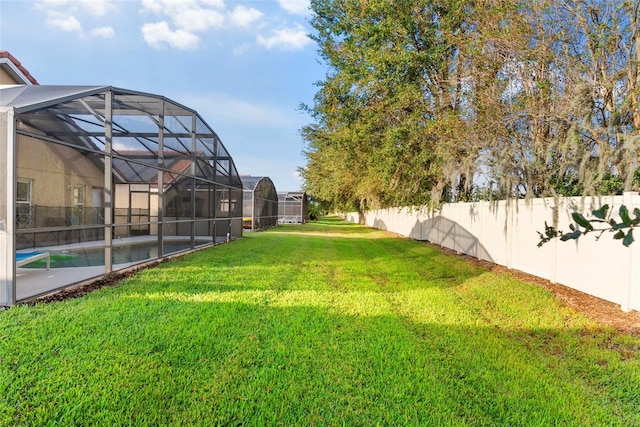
point(506, 233)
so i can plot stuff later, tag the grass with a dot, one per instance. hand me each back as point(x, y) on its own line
point(324, 324)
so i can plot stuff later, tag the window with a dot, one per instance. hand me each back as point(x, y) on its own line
point(23, 203)
point(77, 195)
point(24, 191)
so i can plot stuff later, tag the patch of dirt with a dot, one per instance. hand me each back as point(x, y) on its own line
point(602, 311)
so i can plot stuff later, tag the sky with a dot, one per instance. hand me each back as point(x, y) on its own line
point(245, 66)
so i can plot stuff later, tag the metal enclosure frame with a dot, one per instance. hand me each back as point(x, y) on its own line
point(293, 207)
point(108, 171)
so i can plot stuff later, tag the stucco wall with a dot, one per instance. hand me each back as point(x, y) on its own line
point(5, 78)
point(53, 169)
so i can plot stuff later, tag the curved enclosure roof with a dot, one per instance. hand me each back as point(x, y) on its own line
point(260, 204)
point(260, 186)
point(251, 182)
point(141, 123)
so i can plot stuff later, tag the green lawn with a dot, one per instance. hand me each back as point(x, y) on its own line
point(328, 323)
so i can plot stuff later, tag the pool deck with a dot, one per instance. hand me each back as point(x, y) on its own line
point(33, 282)
point(38, 281)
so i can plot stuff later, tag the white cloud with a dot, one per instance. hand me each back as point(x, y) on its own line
point(104, 32)
point(297, 7)
point(184, 18)
point(187, 18)
point(63, 21)
point(93, 7)
point(177, 10)
point(152, 6)
point(167, 5)
point(202, 15)
point(245, 16)
point(240, 50)
point(286, 38)
point(219, 4)
point(65, 15)
point(197, 19)
point(159, 34)
point(98, 7)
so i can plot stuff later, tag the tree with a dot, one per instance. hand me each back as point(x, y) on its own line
point(602, 222)
point(542, 98)
point(387, 102)
point(548, 91)
point(602, 51)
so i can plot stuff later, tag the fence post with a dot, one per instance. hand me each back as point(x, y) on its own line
point(554, 242)
point(631, 295)
point(510, 206)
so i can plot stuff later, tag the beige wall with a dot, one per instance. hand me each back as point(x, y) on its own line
point(53, 169)
point(6, 79)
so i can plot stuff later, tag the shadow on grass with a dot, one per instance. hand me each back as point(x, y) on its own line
point(311, 330)
point(310, 262)
point(327, 225)
point(446, 233)
point(334, 221)
point(306, 259)
point(158, 361)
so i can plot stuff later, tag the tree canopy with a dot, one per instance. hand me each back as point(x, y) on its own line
point(443, 100)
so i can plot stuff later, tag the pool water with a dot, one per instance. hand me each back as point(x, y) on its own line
point(120, 255)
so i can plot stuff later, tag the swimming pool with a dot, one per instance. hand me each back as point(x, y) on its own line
point(88, 257)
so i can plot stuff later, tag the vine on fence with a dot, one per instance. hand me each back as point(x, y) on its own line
point(623, 230)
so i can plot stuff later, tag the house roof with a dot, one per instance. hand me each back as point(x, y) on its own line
point(15, 69)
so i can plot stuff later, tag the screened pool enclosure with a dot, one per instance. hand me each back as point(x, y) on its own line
point(97, 179)
point(293, 207)
point(260, 205)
